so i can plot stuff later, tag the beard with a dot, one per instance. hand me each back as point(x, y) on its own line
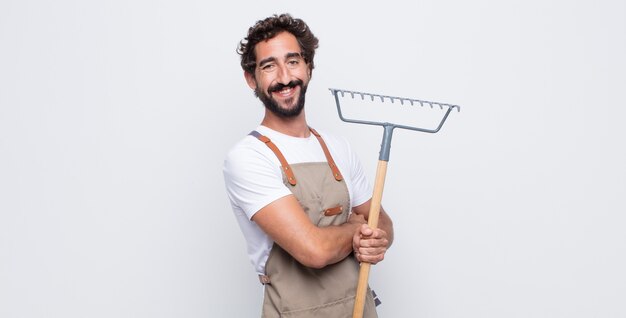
point(272, 105)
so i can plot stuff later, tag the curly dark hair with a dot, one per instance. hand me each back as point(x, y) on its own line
point(266, 29)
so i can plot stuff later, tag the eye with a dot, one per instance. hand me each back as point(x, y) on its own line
point(293, 63)
point(268, 67)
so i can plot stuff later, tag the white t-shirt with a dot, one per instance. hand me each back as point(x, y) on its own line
point(253, 179)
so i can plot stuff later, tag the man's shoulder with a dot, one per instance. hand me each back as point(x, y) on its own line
point(246, 144)
point(247, 149)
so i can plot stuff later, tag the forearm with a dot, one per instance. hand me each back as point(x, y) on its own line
point(329, 245)
point(287, 224)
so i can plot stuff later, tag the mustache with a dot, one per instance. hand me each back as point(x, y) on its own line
point(278, 87)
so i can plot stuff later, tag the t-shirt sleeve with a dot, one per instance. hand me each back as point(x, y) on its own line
point(361, 188)
point(252, 180)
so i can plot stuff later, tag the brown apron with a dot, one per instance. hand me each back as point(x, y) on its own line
point(292, 289)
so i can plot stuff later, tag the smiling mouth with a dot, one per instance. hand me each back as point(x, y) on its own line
point(283, 90)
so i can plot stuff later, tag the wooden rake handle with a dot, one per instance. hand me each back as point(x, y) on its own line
point(374, 213)
point(359, 302)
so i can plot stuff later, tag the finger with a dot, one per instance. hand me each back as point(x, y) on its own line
point(378, 233)
point(372, 259)
point(373, 242)
point(371, 251)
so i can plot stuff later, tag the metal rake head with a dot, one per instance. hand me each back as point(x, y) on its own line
point(337, 92)
point(386, 143)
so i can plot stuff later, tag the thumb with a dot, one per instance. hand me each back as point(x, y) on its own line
point(366, 230)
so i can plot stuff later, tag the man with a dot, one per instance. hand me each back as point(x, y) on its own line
point(300, 197)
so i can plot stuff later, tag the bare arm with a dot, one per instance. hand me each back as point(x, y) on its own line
point(287, 224)
point(370, 245)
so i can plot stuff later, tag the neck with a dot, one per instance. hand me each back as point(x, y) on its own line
point(295, 127)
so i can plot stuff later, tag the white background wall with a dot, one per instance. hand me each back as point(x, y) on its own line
point(115, 117)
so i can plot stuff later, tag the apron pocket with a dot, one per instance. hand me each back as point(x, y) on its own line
point(340, 308)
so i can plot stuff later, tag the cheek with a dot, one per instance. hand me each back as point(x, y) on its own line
point(261, 84)
point(306, 73)
point(305, 76)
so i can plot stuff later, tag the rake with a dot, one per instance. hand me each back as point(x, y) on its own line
point(381, 170)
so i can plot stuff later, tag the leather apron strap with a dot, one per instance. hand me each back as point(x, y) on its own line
point(285, 165)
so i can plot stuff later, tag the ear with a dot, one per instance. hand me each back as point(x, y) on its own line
point(250, 79)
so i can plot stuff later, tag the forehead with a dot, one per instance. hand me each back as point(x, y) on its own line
point(279, 46)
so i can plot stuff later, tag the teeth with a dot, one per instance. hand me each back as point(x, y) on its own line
point(286, 90)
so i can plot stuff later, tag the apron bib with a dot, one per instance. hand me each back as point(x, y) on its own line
point(292, 289)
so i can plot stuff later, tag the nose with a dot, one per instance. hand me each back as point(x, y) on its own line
point(284, 75)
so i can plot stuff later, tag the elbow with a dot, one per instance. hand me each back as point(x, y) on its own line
point(316, 258)
point(315, 264)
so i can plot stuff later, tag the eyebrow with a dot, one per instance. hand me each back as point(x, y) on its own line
point(273, 59)
point(292, 54)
